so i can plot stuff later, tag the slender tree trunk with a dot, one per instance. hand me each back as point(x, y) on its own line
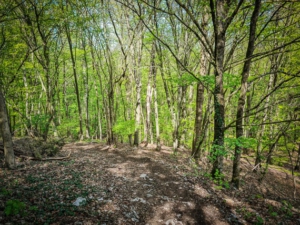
point(27, 114)
point(152, 71)
point(148, 111)
point(98, 115)
point(262, 128)
point(111, 138)
point(247, 115)
point(206, 120)
point(86, 91)
point(9, 157)
point(75, 80)
point(138, 83)
point(96, 68)
point(242, 98)
point(219, 117)
point(199, 100)
point(158, 144)
point(198, 122)
point(182, 115)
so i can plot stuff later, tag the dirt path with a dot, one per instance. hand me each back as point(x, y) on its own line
point(118, 186)
point(142, 187)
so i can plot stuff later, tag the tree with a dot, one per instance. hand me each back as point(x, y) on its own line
point(69, 38)
point(242, 97)
point(6, 134)
point(222, 18)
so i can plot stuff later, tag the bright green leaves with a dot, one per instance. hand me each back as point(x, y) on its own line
point(28, 65)
point(40, 121)
point(124, 128)
point(242, 142)
point(231, 80)
point(188, 79)
point(229, 146)
point(208, 80)
point(185, 79)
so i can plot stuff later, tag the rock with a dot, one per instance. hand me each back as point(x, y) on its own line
point(164, 198)
point(149, 195)
point(78, 223)
point(79, 201)
point(135, 220)
point(173, 222)
point(138, 200)
point(132, 215)
point(170, 222)
point(143, 176)
point(233, 219)
point(231, 203)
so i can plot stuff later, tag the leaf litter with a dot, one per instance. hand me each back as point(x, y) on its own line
point(100, 184)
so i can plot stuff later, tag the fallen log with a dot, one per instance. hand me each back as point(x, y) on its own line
point(45, 159)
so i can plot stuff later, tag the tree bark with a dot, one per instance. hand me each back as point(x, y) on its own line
point(75, 80)
point(9, 157)
point(200, 99)
point(152, 71)
point(86, 90)
point(199, 108)
point(137, 52)
point(219, 123)
point(243, 92)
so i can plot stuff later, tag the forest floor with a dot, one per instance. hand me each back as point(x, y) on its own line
point(126, 185)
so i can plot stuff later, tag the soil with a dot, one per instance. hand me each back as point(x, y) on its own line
point(126, 185)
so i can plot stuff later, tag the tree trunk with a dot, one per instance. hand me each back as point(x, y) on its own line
point(248, 133)
point(96, 69)
point(98, 115)
point(262, 128)
point(86, 90)
point(158, 144)
point(138, 83)
point(219, 123)
point(152, 71)
point(222, 18)
point(199, 99)
point(242, 98)
point(75, 80)
point(9, 156)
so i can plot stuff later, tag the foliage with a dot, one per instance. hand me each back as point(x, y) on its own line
point(195, 168)
point(4, 192)
point(286, 208)
point(218, 179)
point(14, 207)
point(124, 128)
point(259, 220)
point(242, 142)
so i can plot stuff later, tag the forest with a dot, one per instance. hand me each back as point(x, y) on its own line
point(215, 83)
